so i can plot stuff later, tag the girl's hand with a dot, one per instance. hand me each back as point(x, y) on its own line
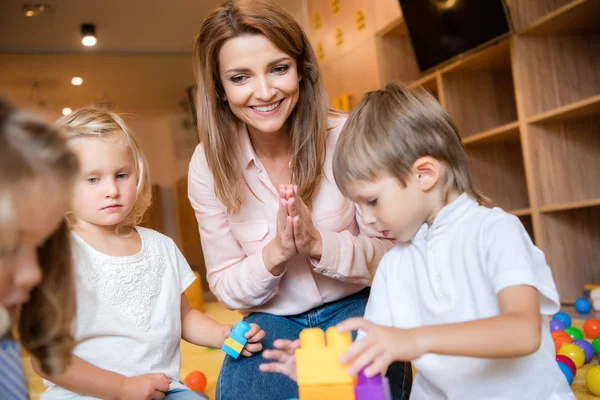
point(306, 236)
point(284, 361)
point(144, 387)
point(382, 346)
point(254, 336)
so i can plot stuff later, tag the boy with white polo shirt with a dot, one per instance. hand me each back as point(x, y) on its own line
point(463, 292)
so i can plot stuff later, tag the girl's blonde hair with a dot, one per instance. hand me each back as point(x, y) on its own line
point(217, 126)
point(390, 130)
point(96, 122)
point(31, 149)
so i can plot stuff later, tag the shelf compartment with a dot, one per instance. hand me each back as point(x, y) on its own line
point(429, 83)
point(570, 241)
point(556, 71)
point(580, 109)
point(565, 161)
point(528, 224)
point(486, 81)
point(524, 13)
point(508, 132)
point(498, 171)
point(576, 17)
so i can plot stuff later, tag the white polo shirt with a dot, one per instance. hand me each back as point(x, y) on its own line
point(452, 272)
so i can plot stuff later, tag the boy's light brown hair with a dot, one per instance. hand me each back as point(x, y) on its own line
point(391, 129)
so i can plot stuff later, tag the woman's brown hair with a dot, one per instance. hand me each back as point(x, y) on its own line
point(217, 124)
point(32, 149)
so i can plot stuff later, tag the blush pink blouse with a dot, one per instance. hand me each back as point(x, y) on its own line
point(233, 244)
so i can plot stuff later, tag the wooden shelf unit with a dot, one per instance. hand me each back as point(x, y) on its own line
point(528, 112)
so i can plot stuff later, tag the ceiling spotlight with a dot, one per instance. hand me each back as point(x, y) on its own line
point(34, 10)
point(66, 111)
point(76, 81)
point(88, 34)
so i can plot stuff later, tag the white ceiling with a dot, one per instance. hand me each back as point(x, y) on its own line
point(141, 64)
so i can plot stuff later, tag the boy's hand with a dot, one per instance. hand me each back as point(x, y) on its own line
point(380, 347)
point(254, 336)
point(284, 361)
point(144, 387)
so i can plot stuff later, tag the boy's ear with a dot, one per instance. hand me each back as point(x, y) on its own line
point(427, 170)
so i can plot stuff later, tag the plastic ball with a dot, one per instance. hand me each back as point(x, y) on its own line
point(592, 380)
point(583, 305)
point(575, 333)
point(591, 327)
point(556, 325)
point(587, 348)
point(596, 345)
point(568, 362)
point(561, 341)
point(559, 334)
point(564, 317)
point(574, 352)
point(566, 372)
point(196, 381)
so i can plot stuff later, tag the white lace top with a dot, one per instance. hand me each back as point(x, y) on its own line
point(128, 308)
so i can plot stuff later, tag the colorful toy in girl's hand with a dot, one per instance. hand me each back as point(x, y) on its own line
point(236, 341)
point(563, 317)
point(375, 388)
point(591, 327)
point(196, 381)
point(583, 305)
point(592, 380)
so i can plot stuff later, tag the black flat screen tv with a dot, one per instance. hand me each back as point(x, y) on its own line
point(440, 30)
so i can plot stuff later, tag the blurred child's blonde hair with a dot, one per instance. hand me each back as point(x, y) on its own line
point(391, 129)
point(96, 122)
point(30, 150)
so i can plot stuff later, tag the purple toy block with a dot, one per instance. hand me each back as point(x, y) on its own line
point(375, 388)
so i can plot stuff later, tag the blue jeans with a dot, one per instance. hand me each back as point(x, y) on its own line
point(241, 378)
point(182, 394)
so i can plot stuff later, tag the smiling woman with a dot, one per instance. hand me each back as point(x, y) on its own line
point(281, 243)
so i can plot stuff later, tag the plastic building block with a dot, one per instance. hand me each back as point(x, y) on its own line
point(375, 388)
point(327, 392)
point(236, 341)
point(318, 363)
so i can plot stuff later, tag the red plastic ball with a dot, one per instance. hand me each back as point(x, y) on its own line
point(561, 341)
point(196, 381)
point(591, 327)
point(568, 362)
point(558, 334)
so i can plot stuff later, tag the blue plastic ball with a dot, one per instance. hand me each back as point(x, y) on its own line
point(563, 317)
point(566, 371)
point(583, 305)
point(556, 325)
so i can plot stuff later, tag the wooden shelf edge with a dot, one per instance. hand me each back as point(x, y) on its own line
point(397, 23)
point(490, 134)
point(589, 106)
point(570, 206)
point(547, 24)
point(423, 81)
point(521, 212)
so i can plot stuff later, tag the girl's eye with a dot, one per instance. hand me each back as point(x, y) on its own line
point(372, 202)
point(281, 69)
point(121, 176)
point(93, 180)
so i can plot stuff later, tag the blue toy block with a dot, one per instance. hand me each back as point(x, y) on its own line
point(236, 341)
point(375, 388)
